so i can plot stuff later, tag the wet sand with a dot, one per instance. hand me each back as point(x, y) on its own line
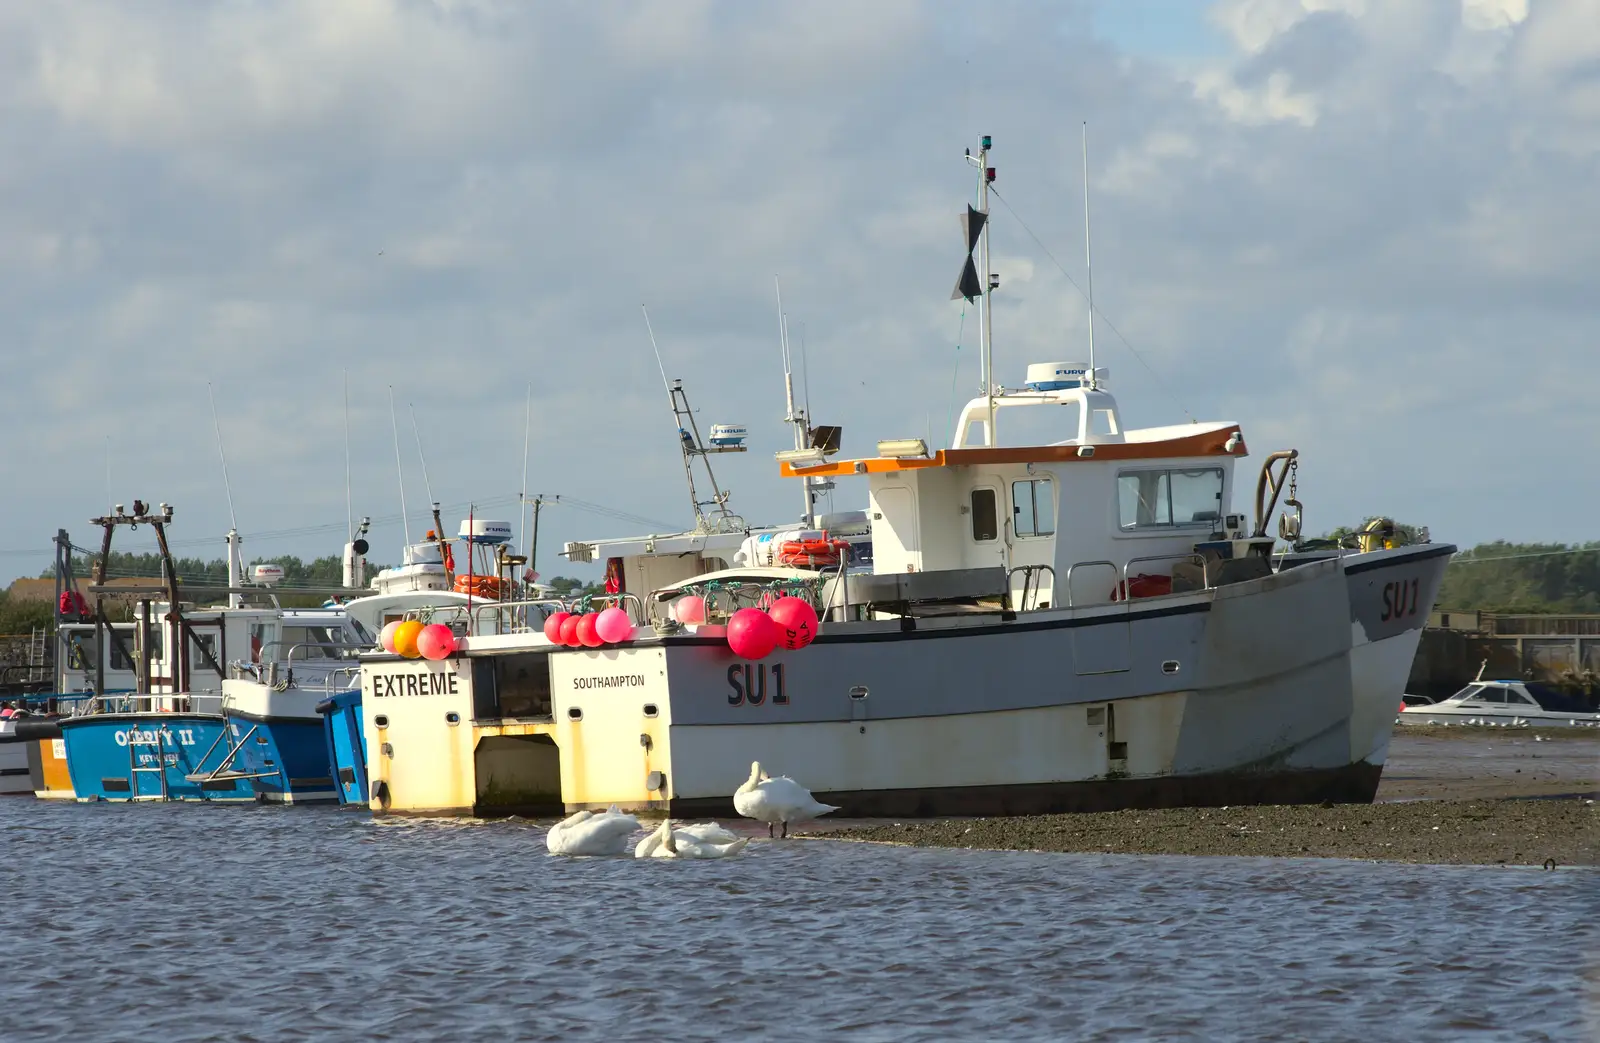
point(1465, 796)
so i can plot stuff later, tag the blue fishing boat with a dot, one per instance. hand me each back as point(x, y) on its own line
point(225, 708)
point(298, 659)
point(153, 747)
point(346, 745)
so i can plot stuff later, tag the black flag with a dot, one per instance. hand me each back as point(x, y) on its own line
point(968, 285)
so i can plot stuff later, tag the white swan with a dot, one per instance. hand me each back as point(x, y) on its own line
point(667, 842)
point(776, 800)
point(589, 834)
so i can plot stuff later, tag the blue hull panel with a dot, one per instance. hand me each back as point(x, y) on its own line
point(346, 746)
point(290, 755)
point(104, 749)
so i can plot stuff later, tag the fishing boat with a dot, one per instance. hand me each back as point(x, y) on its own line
point(14, 777)
point(209, 719)
point(421, 587)
point(1505, 703)
point(1078, 623)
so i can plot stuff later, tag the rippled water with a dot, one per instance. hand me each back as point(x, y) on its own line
point(180, 923)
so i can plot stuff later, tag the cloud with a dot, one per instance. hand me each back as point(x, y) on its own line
point(1366, 230)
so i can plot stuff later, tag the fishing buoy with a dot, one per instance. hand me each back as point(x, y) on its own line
point(752, 634)
point(613, 626)
point(569, 631)
point(386, 639)
point(552, 626)
point(690, 610)
point(405, 638)
point(436, 641)
point(586, 632)
point(796, 620)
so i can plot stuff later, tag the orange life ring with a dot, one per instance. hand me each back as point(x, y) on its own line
point(479, 586)
point(808, 553)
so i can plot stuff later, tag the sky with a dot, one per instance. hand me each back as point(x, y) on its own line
point(1367, 230)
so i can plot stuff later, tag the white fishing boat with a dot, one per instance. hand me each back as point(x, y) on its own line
point(1075, 623)
point(1508, 703)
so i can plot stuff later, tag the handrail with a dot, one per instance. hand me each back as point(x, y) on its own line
point(1188, 555)
point(1086, 564)
point(151, 703)
point(1028, 587)
point(340, 644)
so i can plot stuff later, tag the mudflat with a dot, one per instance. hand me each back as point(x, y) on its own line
point(1472, 796)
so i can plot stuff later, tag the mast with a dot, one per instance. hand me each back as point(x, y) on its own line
point(1088, 268)
point(795, 418)
point(987, 329)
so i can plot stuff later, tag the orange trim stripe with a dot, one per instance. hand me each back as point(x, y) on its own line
point(1209, 443)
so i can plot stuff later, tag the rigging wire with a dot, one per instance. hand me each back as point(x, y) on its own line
point(1165, 387)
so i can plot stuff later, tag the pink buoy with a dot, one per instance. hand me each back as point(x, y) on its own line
point(569, 631)
point(552, 626)
point(613, 626)
point(752, 634)
point(586, 632)
point(796, 620)
point(386, 639)
point(690, 610)
point(436, 641)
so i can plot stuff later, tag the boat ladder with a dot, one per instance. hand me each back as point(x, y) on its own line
point(223, 773)
point(36, 655)
point(136, 741)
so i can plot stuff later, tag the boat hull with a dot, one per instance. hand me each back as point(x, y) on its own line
point(47, 758)
point(346, 746)
point(103, 749)
point(1414, 715)
point(280, 734)
point(14, 778)
point(287, 756)
point(1280, 689)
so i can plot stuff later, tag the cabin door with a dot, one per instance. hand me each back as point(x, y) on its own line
point(985, 507)
point(896, 536)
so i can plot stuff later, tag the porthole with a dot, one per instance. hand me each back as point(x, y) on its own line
point(651, 710)
point(574, 714)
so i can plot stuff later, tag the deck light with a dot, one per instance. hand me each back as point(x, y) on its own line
point(902, 447)
point(801, 457)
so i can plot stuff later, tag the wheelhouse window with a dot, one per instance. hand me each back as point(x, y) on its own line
point(985, 518)
point(1033, 507)
point(1169, 497)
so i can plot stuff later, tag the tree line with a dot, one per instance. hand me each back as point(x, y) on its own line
point(20, 615)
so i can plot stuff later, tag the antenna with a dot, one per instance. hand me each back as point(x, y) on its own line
point(235, 565)
point(1088, 268)
point(349, 511)
point(805, 372)
point(665, 383)
point(108, 472)
point(522, 497)
point(233, 521)
point(405, 523)
point(426, 485)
